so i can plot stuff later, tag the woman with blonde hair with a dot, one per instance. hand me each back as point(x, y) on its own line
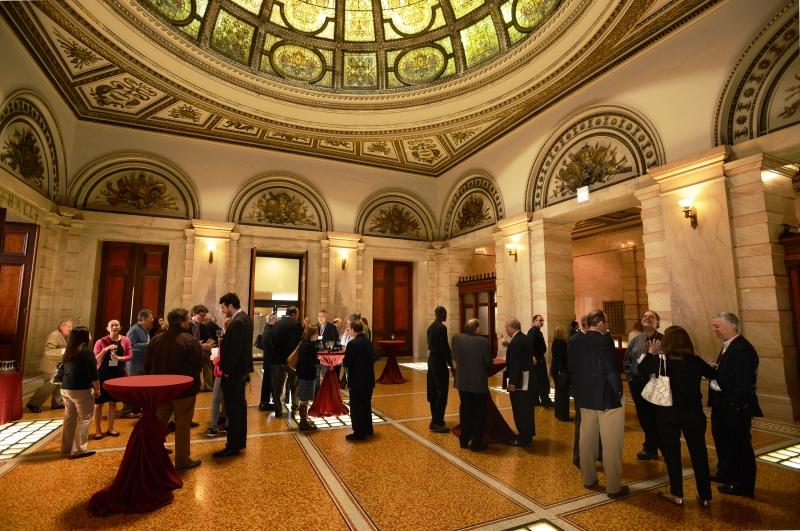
point(560, 374)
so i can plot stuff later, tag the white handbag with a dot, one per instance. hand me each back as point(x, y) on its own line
point(657, 390)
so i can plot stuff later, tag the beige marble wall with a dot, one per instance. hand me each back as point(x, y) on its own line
point(342, 281)
point(762, 200)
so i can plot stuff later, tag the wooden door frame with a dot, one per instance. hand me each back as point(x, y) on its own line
point(479, 284)
point(410, 310)
point(302, 286)
point(28, 260)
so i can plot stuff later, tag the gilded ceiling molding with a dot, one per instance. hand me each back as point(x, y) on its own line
point(474, 202)
point(596, 147)
point(31, 148)
point(762, 93)
point(135, 183)
point(394, 213)
point(281, 200)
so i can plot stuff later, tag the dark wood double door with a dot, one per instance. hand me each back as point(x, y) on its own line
point(133, 276)
point(392, 296)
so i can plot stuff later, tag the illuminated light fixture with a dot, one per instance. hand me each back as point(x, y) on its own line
point(344, 264)
point(212, 246)
point(689, 211)
point(583, 194)
point(512, 250)
point(343, 256)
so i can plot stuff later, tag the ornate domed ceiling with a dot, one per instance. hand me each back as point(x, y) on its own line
point(414, 85)
point(356, 45)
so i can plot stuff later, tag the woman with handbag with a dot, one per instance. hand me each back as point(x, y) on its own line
point(306, 367)
point(110, 352)
point(560, 374)
point(79, 386)
point(684, 369)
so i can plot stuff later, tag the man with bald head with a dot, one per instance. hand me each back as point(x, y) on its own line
point(519, 364)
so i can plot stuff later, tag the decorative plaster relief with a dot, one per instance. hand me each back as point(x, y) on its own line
point(475, 202)
point(596, 147)
point(762, 93)
point(281, 201)
point(135, 184)
point(30, 145)
point(395, 214)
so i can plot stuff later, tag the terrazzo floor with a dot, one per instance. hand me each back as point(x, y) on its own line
point(405, 477)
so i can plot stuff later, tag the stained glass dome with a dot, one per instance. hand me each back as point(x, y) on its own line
point(356, 45)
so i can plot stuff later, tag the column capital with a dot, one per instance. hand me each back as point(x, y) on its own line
point(763, 162)
point(647, 193)
point(549, 224)
point(343, 239)
point(514, 225)
point(213, 229)
point(692, 170)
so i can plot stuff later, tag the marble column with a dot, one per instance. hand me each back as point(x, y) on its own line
point(658, 287)
point(513, 267)
point(761, 201)
point(207, 278)
point(340, 278)
point(634, 283)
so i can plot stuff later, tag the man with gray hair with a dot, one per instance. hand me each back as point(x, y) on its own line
point(472, 358)
point(519, 364)
point(733, 401)
point(53, 353)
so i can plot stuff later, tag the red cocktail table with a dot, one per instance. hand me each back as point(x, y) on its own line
point(391, 372)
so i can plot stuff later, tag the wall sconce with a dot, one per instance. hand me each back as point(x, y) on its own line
point(343, 256)
point(689, 211)
point(212, 246)
point(512, 250)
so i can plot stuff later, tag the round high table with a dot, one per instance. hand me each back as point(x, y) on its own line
point(391, 372)
point(146, 476)
point(496, 429)
point(328, 401)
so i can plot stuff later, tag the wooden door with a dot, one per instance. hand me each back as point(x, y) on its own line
point(392, 300)
point(133, 276)
point(17, 259)
point(477, 299)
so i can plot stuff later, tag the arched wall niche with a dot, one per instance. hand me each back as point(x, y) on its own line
point(135, 183)
point(395, 213)
point(281, 200)
point(762, 93)
point(596, 147)
point(473, 203)
point(31, 147)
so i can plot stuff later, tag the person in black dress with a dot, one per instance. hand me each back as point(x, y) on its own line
point(560, 373)
point(307, 363)
point(110, 352)
point(685, 370)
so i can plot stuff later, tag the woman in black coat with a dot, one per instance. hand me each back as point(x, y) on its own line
point(307, 362)
point(685, 370)
point(560, 374)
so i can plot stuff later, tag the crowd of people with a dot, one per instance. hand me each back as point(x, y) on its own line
point(583, 366)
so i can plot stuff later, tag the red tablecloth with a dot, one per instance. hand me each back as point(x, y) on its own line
point(497, 429)
point(10, 397)
point(328, 402)
point(146, 476)
point(391, 372)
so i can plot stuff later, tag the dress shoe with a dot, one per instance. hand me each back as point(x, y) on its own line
point(519, 443)
point(549, 404)
point(645, 455)
point(735, 491)
point(82, 455)
point(263, 407)
point(34, 409)
point(171, 426)
point(436, 428)
point(191, 464)
point(479, 447)
point(354, 437)
point(704, 503)
point(623, 491)
point(195, 424)
point(463, 444)
point(718, 478)
point(225, 452)
point(677, 500)
point(592, 486)
point(112, 433)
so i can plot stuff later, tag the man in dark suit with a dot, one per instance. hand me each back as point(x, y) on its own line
point(472, 358)
point(177, 352)
point(733, 401)
point(645, 411)
point(235, 362)
point(327, 333)
point(268, 400)
point(597, 388)
point(285, 336)
point(439, 358)
point(519, 365)
point(207, 340)
point(359, 358)
point(536, 339)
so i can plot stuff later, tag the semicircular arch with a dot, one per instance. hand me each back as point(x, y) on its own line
point(474, 202)
point(395, 213)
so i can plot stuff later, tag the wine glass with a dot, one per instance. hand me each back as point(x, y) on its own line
point(329, 344)
point(391, 336)
point(220, 333)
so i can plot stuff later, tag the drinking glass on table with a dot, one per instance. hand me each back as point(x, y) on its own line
point(391, 336)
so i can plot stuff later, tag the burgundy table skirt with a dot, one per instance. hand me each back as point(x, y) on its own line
point(497, 429)
point(391, 372)
point(328, 402)
point(146, 476)
point(10, 397)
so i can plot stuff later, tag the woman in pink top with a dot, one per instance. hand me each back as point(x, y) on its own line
point(111, 352)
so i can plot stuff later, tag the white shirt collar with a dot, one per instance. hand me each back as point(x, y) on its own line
point(726, 344)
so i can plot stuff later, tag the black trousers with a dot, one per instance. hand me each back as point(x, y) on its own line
point(671, 423)
point(361, 411)
point(542, 392)
point(472, 413)
point(562, 396)
point(266, 388)
point(438, 382)
point(522, 406)
point(646, 414)
point(236, 409)
point(737, 461)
